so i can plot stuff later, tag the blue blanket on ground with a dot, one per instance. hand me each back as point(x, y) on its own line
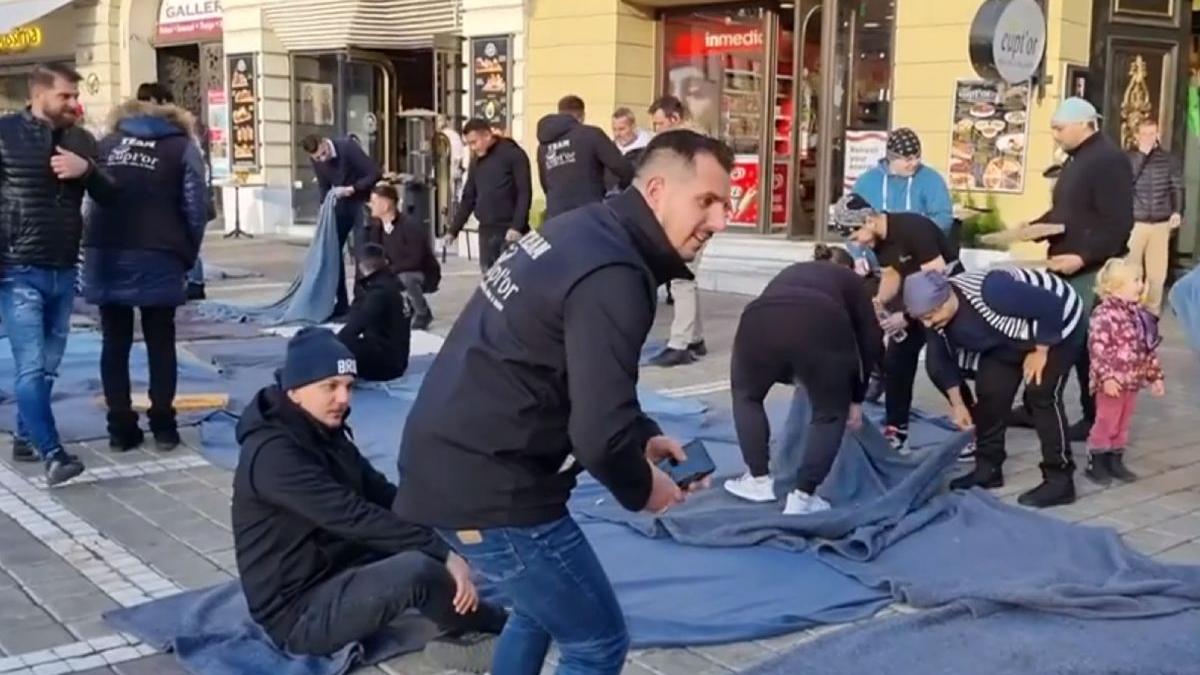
point(311, 297)
point(953, 642)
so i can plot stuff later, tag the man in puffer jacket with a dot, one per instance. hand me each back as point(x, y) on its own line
point(137, 252)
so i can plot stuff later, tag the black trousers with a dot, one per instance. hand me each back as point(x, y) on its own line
point(996, 384)
point(158, 329)
point(359, 602)
point(900, 373)
point(349, 218)
point(491, 245)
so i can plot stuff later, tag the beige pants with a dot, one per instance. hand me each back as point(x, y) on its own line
point(685, 325)
point(1149, 250)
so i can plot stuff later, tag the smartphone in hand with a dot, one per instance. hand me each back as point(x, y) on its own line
point(697, 467)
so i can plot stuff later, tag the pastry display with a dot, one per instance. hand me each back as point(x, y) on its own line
point(990, 136)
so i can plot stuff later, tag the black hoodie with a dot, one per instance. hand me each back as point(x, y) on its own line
point(306, 506)
point(498, 190)
point(572, 158)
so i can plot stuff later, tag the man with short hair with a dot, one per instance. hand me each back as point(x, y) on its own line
point(47, 164)
point(342, 167)
point(322, 560)
point(537, 382)
point(573, 158)
point(377, 328)
point(408, 250)
point(499, 192)
point(666, 113)
point(626, 134)
point(1157, 210)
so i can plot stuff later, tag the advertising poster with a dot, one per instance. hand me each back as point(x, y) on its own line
point(243, 115)
point(218, 134)
point(864, 149)
point(491, 74)
point(779, 183)
point(743, 191)
point(990, 136)
point(316, 104)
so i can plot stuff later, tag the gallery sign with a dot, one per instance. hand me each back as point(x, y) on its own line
point(1008, 40)
point(189, 20)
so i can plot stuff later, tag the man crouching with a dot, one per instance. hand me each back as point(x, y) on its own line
point(322, 559)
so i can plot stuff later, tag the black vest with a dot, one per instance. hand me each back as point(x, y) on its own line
point(149, 210)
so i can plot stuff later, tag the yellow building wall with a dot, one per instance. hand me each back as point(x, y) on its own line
point(931, 53)
point(600, 50)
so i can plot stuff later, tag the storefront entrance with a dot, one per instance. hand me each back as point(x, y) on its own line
point(792, 87)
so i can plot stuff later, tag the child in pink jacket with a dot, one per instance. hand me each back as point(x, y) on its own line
point(1123, 341)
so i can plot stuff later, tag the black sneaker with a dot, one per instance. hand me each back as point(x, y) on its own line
point(1078, 432)
point(1058, 491)
point(166, 440)
point(1116, 467)
point(670, 358)
point(22, 451)
point(467, 653)
point(984, 477)
point(126, 440)
point(874, 389)
point(1098, 468)
point(62, 467)
point(698, 348)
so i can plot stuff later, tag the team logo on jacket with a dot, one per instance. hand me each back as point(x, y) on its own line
point(558, 154)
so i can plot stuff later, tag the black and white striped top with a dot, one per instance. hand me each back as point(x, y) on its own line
point(1018, 328)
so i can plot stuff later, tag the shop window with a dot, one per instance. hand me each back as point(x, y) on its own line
point(313, 112)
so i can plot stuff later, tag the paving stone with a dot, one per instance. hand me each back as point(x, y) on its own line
point(83, 663)
point(105, 670)
point(737, 656)
point(1110, 523)
point(1184, 554)
point(1184, 501)
point(679, 662)
point(87, 629)
point(1145, 514)
point(57, 668)
point(50, 589)
point(411, 664)
point(159, 664)
point(1151, 542)
point(1186, 526)
point(81, 606)
point(19, 640)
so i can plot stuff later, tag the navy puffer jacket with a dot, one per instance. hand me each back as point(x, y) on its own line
point(139, 247)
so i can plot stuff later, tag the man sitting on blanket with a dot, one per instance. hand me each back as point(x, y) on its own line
point(323, 560)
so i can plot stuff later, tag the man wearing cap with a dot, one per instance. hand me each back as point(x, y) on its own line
point(322, 559)
point(904, 243)
point(902, 184)
point(1005, 326)
point(1093, 200)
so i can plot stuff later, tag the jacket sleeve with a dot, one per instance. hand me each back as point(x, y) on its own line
point(360, 317)
point(865, 187)
point(606, 318)
point(1004, 293)
point(364, 167)
point(465, 207)
point(943, 365)
point(611, 158)
point(195, 195)
point(99, 184)
point(294, 482)
point(1113, 197)
point(323, 185)
point(541, 169)
point(522, 183)
point(938, 206)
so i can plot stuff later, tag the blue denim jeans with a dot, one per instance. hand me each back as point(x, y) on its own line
point(558, 591)
point(35, 305)
point(196, 274)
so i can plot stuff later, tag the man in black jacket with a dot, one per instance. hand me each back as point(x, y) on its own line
point(406, 246)
point(573, 158)
point(47, 163)
point(322, 560)
point(537, 381)
point(498, 192)
point(343, 167)
point(377, 328)
point(1157, 210)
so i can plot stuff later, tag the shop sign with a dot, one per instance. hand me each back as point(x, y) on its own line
point(715, 40)
point(218, 134)
point(243, 115)
point(1008, 40)
point(988, 149)
point(491, 77)
point(21, 39)
point(743, 191)
point(864, 149)
point(189, 19)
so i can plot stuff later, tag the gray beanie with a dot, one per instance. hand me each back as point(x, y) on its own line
point(925, 291)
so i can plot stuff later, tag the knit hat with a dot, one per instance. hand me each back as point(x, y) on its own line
point(925, 291)
point(850, 213)
point(904, 143)
point(315, 354)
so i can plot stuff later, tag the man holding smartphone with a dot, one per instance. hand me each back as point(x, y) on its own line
point(537, 381)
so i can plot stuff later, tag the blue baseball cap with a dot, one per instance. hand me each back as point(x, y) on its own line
point(1074, 110)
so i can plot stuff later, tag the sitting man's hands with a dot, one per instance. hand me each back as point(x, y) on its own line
point(466, 597)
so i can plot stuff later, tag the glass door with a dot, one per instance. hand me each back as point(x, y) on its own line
point(367, 82)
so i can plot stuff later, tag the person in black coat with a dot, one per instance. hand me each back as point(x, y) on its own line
point(573, 158)
point(377, 328)
point(322, 560)
point(407, 248)
point(341, 166)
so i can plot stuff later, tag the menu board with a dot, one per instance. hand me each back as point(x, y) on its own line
point(990, 136)
point(218, 134)
point(243, 111)
point(491, 72)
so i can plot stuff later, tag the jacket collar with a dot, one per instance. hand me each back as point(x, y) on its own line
point(639, 221)
point(1087, 143)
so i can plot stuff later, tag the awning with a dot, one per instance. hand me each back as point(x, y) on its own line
point(371, 24)
point(20, 12)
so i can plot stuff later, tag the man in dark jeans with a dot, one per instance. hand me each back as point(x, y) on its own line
point(377, 328)
point(322, 560)
point(498, 192)
point(343, 167)
point(46, 165)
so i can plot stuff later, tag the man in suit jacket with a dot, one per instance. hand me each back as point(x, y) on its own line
point(342, 166)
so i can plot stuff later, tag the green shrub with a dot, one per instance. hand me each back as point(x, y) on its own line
point(984, 223)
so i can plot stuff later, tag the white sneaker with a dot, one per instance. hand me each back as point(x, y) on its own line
point(800, 503)
point(760, 489)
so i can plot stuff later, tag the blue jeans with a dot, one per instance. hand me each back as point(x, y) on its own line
point(196, 274)
point(558, 591)
point(35, 305)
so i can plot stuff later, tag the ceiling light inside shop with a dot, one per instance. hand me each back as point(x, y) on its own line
point(871, 24)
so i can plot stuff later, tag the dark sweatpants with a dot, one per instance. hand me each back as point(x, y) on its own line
point(158, 330)
point(360, 601)
point(900, 374)
point(349, 224)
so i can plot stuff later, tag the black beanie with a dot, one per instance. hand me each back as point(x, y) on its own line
point(314, 354)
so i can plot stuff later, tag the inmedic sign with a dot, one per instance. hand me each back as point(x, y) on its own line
point(740, 39)
point(1008, 40)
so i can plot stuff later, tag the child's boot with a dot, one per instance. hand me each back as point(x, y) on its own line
point(1117, 468)
point(1098, 468)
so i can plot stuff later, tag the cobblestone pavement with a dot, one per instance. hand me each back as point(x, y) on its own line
point(145, 524)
